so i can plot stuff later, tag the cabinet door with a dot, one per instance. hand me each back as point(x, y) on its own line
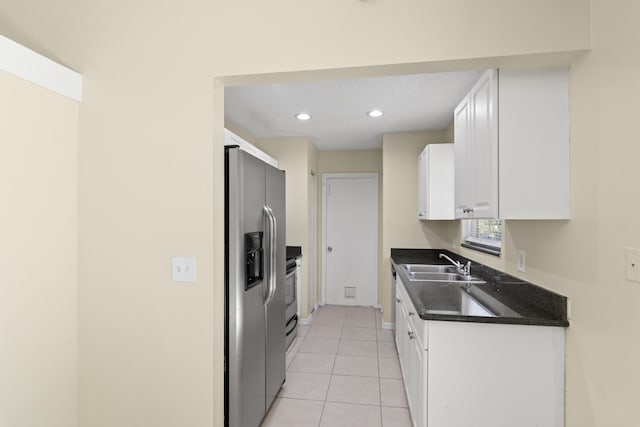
point(439, 180)
point(462, 148)
point(401, 326)
point(403, 349)
point(416, 386)
point(422, 184)
point(398, 325)
point(484, 147)
point(534, 144)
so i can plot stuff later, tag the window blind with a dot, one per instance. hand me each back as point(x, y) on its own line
point(483, 234)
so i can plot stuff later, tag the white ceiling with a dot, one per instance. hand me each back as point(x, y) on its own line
point(338, 108)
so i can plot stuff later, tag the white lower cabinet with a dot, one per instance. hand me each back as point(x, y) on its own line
point(416, 389)
point(410, 341)
point(460, 374)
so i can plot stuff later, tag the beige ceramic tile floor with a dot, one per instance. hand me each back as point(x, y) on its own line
point(343, 372)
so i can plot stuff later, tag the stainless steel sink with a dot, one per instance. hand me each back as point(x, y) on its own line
point(426, 268)
point(444, 277)
point(436, 273)
point(451, 299)
point(466, 305)
point(465, 300)
point(442, 290)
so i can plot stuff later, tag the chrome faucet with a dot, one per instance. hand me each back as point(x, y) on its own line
point(466, 270)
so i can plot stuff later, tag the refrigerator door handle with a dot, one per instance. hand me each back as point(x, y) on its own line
point(271, 280)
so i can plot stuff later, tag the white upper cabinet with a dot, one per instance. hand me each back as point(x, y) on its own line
point(477, 154)
point(436, 182)
point(512, 146)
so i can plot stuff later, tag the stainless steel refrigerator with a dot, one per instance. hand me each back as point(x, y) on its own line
point(254, 287)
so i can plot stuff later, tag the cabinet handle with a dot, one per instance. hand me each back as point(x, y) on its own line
point(411, 334)
point(398, 300)
point(411, 313)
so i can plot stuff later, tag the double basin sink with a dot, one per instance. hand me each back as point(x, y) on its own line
point(437, 273)
point(444, 290)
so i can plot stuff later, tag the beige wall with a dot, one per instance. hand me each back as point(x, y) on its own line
point(297, 156)
point(584, 258)
point(348, 161)
point(401, 227)
point(150, 169)
point(38, 256)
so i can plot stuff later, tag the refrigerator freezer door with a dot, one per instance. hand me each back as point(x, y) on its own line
point(255, 328)
point(275, 310)
point(245, 311)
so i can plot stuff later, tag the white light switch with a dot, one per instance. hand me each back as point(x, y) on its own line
point(183, 269)
point(632, 259)
point(522, 258)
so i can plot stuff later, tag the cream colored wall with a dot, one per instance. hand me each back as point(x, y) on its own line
point(401, 227)
point(150, 158)
point(296, 156)
point(584, 258)
point(38, 256)
point(348, 161)
point(149, 355)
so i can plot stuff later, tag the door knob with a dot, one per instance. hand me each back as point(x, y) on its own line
point(329, 249)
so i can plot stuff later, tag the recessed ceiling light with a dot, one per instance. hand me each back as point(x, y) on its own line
point(375, 113)
point(303, 116)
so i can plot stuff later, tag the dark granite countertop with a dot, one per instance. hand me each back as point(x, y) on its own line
point(532, 304)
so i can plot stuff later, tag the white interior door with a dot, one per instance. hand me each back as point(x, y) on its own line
point(312, 242)
point(350, 239)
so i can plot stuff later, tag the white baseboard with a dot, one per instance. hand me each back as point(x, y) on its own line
point(307, 321)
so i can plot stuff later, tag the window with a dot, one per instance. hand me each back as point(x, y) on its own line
point(482, 234)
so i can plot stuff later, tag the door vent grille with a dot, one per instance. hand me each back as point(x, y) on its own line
point(349, 291)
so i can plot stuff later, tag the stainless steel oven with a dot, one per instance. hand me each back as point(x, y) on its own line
point(290, 300)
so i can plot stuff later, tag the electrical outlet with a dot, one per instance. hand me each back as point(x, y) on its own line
point(522, 261)
point(632, 269)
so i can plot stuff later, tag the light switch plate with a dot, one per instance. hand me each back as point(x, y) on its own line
point(183, 269)
point(632, 258)
point(522, 258)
